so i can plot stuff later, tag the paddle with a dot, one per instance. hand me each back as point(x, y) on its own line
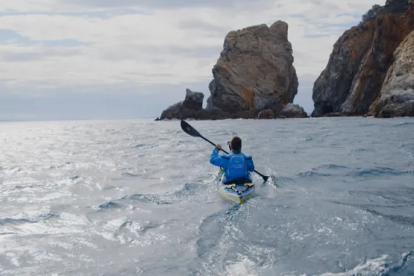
point(193, 132)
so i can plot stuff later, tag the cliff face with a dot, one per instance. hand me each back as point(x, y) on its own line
point(353, 78)
point(254, 71)
point(397, 93)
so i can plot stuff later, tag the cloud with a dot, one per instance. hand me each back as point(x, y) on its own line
point(166, 4)
point(48, 46)
point(197, 24)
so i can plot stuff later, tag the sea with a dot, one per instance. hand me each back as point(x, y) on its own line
point(139, 197)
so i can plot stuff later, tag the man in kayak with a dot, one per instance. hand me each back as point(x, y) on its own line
point(236, 165)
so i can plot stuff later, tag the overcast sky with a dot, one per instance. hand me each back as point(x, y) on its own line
point(90, 59)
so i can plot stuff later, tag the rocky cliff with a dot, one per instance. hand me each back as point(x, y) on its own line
point(397, 93)
point(254, 73)
point(352, 81)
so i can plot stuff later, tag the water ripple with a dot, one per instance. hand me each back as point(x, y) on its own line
point(140, 197)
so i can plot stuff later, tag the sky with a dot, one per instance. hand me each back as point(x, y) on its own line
point(106, 59)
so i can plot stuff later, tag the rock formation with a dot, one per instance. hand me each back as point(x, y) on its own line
point(397, 93)
point(353, 78)
point(253, 73)
point(293, 111)
point(191, 107)
point(266, 114)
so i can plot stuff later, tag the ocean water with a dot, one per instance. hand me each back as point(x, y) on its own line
point(139, 197)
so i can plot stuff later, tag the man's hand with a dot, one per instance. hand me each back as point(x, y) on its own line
point(218, 147)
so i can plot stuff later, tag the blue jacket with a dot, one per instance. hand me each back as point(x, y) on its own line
point(236, 165)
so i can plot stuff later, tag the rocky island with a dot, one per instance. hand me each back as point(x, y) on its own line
point(370, 71)
point(254, 77)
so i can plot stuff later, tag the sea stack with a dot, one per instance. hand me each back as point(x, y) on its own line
point(254, 73)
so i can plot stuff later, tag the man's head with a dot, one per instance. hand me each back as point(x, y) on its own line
point(235, 144)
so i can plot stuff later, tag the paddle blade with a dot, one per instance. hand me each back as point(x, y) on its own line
point(189, 129)
point(265, 177)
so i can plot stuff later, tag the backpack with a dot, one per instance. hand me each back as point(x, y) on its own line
point(237, 167)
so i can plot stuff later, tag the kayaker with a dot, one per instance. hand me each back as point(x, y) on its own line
point(236, 165)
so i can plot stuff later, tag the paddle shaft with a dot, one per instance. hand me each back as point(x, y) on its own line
point(202, 137)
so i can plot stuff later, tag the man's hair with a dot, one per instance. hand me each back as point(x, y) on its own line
point(236, 143)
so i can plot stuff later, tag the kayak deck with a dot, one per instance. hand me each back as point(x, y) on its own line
point(238, 193)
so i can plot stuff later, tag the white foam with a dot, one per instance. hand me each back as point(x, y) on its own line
point(243, 267)
point(370, 267)
point(14, 258)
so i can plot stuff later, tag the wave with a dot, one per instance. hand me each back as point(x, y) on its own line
point(149, 199)
point(324, 171)
point(11, 171)
point(188, 190)
point(366, 207)
point(377, 266)
point(382, 201)
point(394, 218)
point(275, 181)
point(128, 174)
point(139, 146)
point(339, 170)
point(380, 171)
point(404, 124)
point(110, 205)
point(6, 233)
point(333, 166)
point(35, 219)
point(125, 223)
point(366, 125)
point(312, 174)
point(139, 227)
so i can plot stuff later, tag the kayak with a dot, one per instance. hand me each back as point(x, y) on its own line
point(237, 192)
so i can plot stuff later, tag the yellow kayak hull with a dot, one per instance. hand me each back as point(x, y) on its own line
point(237, 193)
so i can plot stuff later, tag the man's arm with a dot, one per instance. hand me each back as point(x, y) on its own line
point(216, 159)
